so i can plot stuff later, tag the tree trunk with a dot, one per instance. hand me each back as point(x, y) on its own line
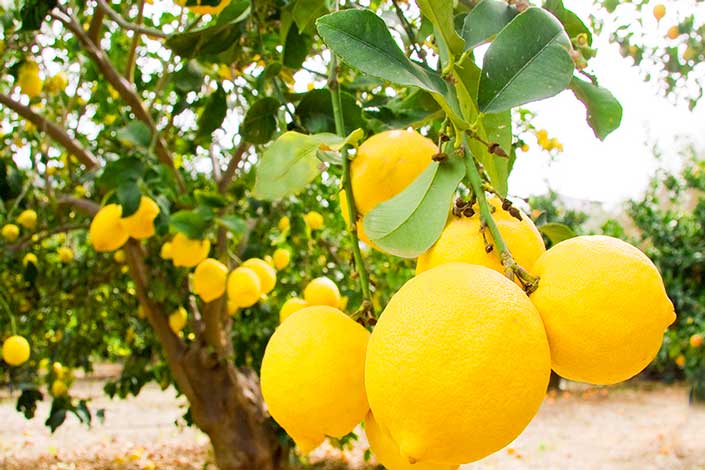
point(226, 404)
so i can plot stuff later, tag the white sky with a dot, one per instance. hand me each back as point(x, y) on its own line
point(620, 167)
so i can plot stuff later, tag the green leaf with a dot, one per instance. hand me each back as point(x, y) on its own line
point(233, 223)
point(307, 11)
point(56, 418)
point(210, 199)
point(136, 133)
point(440, 14)
point(213, 113)
point(290, 163)
point(557, 232)
point(604, 113)
point(315, 112)
point(574, 26)
point(528, 61)
point(189, 77)
point(33, 13)
point(410, 222)
point(207, 42)
point(128, 195)
point(296, 48)
point(260, 122)
point(118, 171)
point(498, 129)
point(485, 20)
point(193, 223)
point(235, 12)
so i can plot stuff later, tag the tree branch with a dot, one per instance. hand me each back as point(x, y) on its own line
point(234, 162)
point(53, 130)
point(123, 23)
point(96, 24)
point(86, 206)
point(36, 238)
point(132, 58)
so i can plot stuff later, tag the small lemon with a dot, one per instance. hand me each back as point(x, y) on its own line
point(284, 224)
point(59, 388)
point(209, 279)
point(119, 257)
point(30, 258)
point(28, 219)
point(107, 232)
point(290, 306)
point(659, 11)
point(66, 254)
point(680, 360)
point(15, 350)
point(281, 258)
point(312, 375)
point(165, 251)
point(140, 225)
point(206, 9)
point(177, 320)
point(673, 32)
point(314, 220)
point(28, 79)
point(696, 340)
point(267, 274)
point(10, 232)
point(322, 291)
point(56, 83)
point(188, 253)
point(244, 287)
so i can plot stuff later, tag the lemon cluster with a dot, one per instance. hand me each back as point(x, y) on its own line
point(109, 231)
point(319, 291)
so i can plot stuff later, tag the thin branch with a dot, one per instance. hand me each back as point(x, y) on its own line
point(53, 130)
point(123, 23)
point(86, 206)
point(132, 57)
point(96, 24)
point(36, 238)
point(234, 162)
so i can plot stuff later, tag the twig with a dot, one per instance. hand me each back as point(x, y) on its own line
point(132, 57)
point(136, 27)
point(36, 238)
point(234, 162)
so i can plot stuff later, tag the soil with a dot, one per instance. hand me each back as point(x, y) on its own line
point(637, 426)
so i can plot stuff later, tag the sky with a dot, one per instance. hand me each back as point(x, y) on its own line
point(620, 167)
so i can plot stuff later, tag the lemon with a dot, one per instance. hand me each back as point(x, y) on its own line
point(140, 225)
point(314, 220)
point(65, 254)
point(281, 258)
point(107, 232)
point(27, 219)
point(30, 258)
point(604, 307)
point(165, 251)
point(10, 232)
point(232, 307)
point(206, 9)
point(59, 388)
point(284, 224)
point(659, 11)
point(56, 83)
point(322, 291)
point(188, 253)
point(673, 32)
point(15, 350)
point(680, 360)
point(28, 79)
point(119, 257)
point(244, 287)
point(266, 273)
point(457, 365)
point(361, 234)
point(57, 368)
point(462, 240)
point(209, 279)
point(387, 452)
point(177, 320)
point(290, 306)
point(696, 340)
point(313, 375)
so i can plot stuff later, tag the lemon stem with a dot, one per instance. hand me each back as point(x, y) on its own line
point(336, 102)
point(511, 267)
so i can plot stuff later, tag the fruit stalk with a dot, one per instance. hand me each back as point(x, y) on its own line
point(336, 102)
point(511, 267)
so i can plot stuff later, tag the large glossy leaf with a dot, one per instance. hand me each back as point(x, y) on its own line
point(557, 232)
point(290, 163)
point(315, 112)
point(306, 12)
point(296, 48)
point(189, 77)
point(209, 41)
point(485, 20)
point(604, 113)
point(193, 223)
point(410, 222)
point(440, 14)
point(260, 122)
point(213, 114)
point(528, 61)
point(136, 133)
point(128, 195)
point(572, 22)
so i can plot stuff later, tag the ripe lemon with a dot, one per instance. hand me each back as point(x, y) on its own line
point(65, 254)
point(177, 320)
point(140, 225)
point(165, 251)
point(206, 9)
point(10, 232)
point(313, 375)
point(322, 291)
point(290, 306)
point(659, 11)
point(680, 360)
point(284, 224)
point(314, 220)
point(27, 219)
point(119, 257)
point(188, 253)
point(56, 83)
point(696, 340)
point(673, 32)
point(457, 365)
point(361, 234)
point(209, 279)
point(28, 79)
point(232, 307)
point(244, 287)
point(604, 307)
point(266, 273)
point(387, 451)
point(281, 258)
point(30, 258)
point(107, 232)
point(59, 388)
point(15, 350)
point(462, 241)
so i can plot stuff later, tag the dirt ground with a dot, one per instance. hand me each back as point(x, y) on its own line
point(645, 426)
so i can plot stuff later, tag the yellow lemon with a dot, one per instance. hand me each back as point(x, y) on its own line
point(165, 251)
point(290, 306)
point(604, 307)
point(56, 83)
point(313, 375)
point(188, 253)
point(322, 291)
point(232, 307)
point(281, 258)
point(244, 287)
point(28, 79)
point(119, 257)
point(457, 365)
point(107, 232)
point(65, 254)
point(15, 350)
point(266, 273)
point(140, 225)
point(680, 360)
point(659, 11)
point(209, 279)
point(27, 219)
point(10, 232)
point(361, 235)
point(205, 9)
point(177, 320)
point(387, 451)
point(30, 258)
point(59, 388)
point(314, 220)
point(284, 224)
point(462, 241)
